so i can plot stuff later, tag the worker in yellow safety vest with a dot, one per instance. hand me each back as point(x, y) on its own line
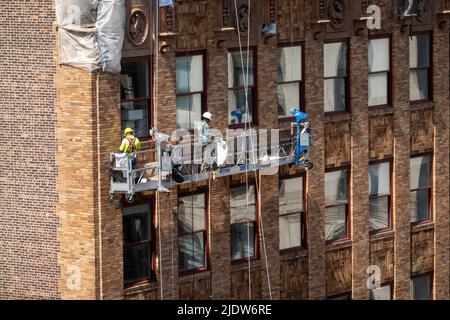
point(130, 144)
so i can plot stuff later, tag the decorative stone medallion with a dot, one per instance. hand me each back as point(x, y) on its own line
point(138, 27)
point(243, 18)
point(337, 13)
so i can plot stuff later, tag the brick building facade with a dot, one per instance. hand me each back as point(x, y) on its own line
point(62, 239)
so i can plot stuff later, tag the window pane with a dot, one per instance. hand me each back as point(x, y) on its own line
point(291, 195)
point(136, 223)
point(136, 228)
point(190, 74)
point(191, 250)
point(289, 64)
point(379, 213)
point(335, 59)
point(191, 213)
point(288, 98)
point(420, 288)
point(382, 293)
point(189, 109)
point(237, 106)
point(134, 80)
point(237, 69)
point(239, 212)
point(334, 95)
point(135, 116)
point(379, 55)
point(420, 205)
point(378, 89)
point(380, 179)
point(420, 172)
point(419, 51)
point(290, 231)
point(336, 187)
point(136, 262)
point(242, 241)
point(335, 222)
point(418, 84)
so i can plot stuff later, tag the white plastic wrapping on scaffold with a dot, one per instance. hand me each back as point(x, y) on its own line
point(91, 33)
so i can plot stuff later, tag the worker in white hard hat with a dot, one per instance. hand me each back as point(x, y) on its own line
point(204, 135)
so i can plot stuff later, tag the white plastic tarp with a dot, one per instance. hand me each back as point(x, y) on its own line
point(91, 33)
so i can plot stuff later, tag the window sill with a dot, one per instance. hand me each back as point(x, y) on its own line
point(338, 244)
point(422, 225)
point(296, 252)
point(185, 273)
point(140, 287)
point(381, 110)
point(242, 125)
point(381, 235)
point(421, 104)
point(337, 116)
point(198, 275)
point(238, 264)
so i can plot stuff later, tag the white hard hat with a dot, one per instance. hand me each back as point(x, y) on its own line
point(207, 115)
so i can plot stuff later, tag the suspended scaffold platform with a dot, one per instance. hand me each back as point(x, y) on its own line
point(186, 161)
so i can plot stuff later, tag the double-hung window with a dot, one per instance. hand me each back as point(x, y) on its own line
point(241, 76)
point(135, 96)
point(379, 71)
point(190, 90)
point(137, 240)
point(420, 185)
point(290, 80)
point(419, 67)
point(243, 222)
point(336, 205)
point(335, 76)
point(192, 232)
point(292, 213)
point(379, 196)
point(420, 287)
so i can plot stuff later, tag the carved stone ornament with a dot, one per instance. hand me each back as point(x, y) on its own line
point(138, 27)
point(421, 9)
point(337, 13)
point(243, 18)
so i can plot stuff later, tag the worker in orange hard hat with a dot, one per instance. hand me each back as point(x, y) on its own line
point(130, 144)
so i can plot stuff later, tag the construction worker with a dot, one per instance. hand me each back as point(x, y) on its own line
point(130, 144)
point(204, 136)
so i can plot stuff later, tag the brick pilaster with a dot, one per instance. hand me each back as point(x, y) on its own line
point(359, 167)
point(401, 198)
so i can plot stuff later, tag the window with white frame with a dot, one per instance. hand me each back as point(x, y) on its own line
point(335, 76)
point(189, 90)
point(289, 79)
point(379, 71)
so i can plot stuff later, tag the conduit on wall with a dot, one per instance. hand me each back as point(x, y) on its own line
point(91, 33)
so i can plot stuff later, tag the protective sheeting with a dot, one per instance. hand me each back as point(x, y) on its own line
point(91, 33)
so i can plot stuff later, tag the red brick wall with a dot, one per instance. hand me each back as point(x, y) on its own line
point(28, 196)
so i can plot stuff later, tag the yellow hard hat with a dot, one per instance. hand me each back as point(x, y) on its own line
point(127, 131)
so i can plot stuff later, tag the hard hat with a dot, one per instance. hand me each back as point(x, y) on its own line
point(207, 115)
point(127, 131)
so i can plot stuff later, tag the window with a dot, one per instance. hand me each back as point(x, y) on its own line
point(237, 79)
point(420, 287)
point(419, 67)
point(243, 222)
point(379, 71)
point(336, 205)
point(135, 96)
point(289, 80)
point(137, 238)
point(192, 232)
point(420, 188)
point(381, 293)
point(292, 219)
point(190, 90)
point(335, 76)
point(379, 196)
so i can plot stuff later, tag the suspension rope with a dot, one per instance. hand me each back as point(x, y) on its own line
point(248, 122)
point(158, 195)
